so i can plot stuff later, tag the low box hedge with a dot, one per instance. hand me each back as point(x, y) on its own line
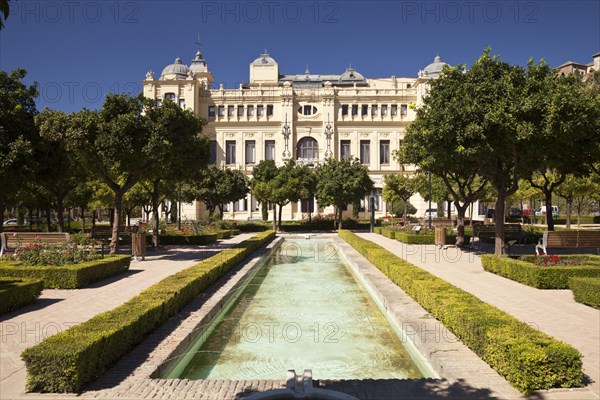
point(18, 292)
point(541, 277)
point(527, 358)
point(586, 290)
point(67, 361)
point(69, 276)
point(411, 238)
point(224, 234)
point(185, 240)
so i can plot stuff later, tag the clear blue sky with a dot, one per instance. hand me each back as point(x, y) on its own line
point(80, 50)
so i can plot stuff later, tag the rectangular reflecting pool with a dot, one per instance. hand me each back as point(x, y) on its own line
point(302, 309)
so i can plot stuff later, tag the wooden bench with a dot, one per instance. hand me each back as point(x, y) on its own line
point(102, 234)
point(568, 239)
point(513, 234)
point(10, 240)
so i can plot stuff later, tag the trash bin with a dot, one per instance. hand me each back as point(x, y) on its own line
point(440, 236)
point(138, 246)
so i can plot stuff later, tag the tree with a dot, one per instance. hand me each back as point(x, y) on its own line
point(575, 189)
point(5, 11)
point(340, 182)
point(81, 197)
point(399, 187)
point(59, 170)
point(116, 144)
point(179, 152)
point(262, 174)
point(17, 133)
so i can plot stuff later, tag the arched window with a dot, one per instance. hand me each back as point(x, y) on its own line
point(308, 148)
point(170, 96)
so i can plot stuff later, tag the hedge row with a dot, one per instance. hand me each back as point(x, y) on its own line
point(586, 290)
point(69, 276)
point(412, 238)
point(67, 361)
point(527, 358)
point(223, 234)
point(541, 277)
point(18, 292)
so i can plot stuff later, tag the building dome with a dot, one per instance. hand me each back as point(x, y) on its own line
point(198, 64)
point(351, 75)
point(264, 59)
point(434, 69)
point(177, 68)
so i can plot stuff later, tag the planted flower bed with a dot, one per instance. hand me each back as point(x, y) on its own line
point(543, 272)
point(18, 292)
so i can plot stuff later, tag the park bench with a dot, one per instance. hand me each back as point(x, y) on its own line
point(102, 235)
point(568, 239)
point(513, 234)
point(10, 240)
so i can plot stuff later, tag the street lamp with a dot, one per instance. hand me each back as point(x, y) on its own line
point(429, 189)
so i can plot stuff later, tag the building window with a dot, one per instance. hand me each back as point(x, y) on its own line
point(230, 152)
point(408, 85)
point(270, 150)
point(221, 111)
point(355, 109)
point(345, 149)
point(308, 205)
point(211, 111)
point(250, 111)
point(384, 152)
point(240, 205)
point(394, 109)
point(182, 103)
point(170, 96)
point(403, 109)
point(364, 109)
point(365, 150)
point(240, 111)
point(308, 148)
point(158, 103)
point(307, 110)
point(260, 110)
point(384, 109)
point(374, 109)
point(269, 110)
point(345, 109)
point(250, 152)
point(230, 111)
point(213, 152)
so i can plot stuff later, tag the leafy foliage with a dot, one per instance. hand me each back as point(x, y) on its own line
point(18, 292)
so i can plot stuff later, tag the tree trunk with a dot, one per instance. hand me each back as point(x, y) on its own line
point(449, 203)
point(340, 211)
point(499, 242)
point(114, 242)
point(274, 216)
point(460, 223)
point(155, 213)
point(93, 217)
point(549, 214)
point(264, 211)
point(30, 213)
point(2, 208)
point(48, 219)
point(279, 218)
point(569, 208)
point(60, 213)
point(82, 219)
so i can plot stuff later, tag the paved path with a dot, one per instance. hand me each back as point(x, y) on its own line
point(551, 311)
point(57, 310)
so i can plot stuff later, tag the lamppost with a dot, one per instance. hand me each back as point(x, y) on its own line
point(328, 134)
point(286, 132)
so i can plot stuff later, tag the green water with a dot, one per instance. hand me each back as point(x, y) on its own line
point(302, 310)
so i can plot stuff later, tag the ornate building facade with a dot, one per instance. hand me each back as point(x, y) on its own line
point(304, 117)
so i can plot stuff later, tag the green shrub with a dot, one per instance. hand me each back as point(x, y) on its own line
point(253, 226)
point(377, 230)
point(18, 292)
point(223, 234)
point(411, 238)
point(67, 361)
point(586, 290)
point(527, 273)
point(527, 358)
point(235, 232)
point(389, 233)
point(184, 240)
point(68, 276)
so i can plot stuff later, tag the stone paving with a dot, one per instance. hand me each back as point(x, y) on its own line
point(57, 310)
point(554, 312)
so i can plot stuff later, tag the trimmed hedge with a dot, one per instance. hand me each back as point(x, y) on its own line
point(185, 240)
point(586, 290)
point(67, 361)
point(224, 234)
point(527, 273)
point(18, 292)
point(526, 357)
point(413, 238)
point(69, 276)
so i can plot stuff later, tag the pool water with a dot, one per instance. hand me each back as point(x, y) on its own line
point(303, 309)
